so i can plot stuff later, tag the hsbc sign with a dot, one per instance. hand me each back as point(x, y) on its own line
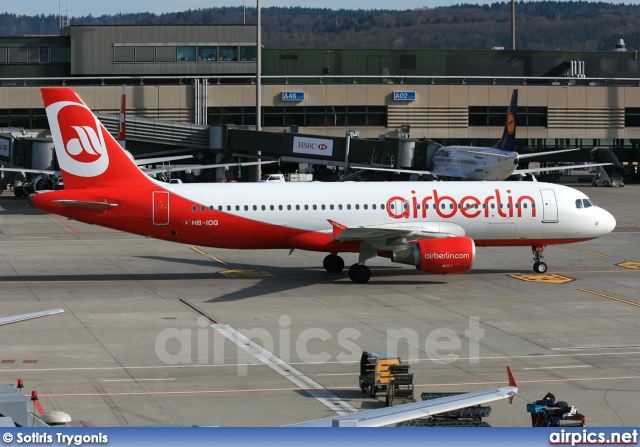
point(313, 146)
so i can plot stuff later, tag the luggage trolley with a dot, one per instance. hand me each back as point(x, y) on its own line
point(374, 370)
point(400, 389)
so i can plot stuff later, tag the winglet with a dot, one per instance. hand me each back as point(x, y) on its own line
point(337, 228)
point(512, 382)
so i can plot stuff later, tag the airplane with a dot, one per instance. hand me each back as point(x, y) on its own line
point(434, 226)
point(483, 163)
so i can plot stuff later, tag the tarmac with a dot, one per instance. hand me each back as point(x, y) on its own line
point(154, 333)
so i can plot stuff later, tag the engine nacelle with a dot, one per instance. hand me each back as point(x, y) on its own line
point(439, 255)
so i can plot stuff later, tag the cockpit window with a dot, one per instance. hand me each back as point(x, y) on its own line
point(579, 203)
point(587, 203)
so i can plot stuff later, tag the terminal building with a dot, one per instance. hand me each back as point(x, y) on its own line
point(184, 83)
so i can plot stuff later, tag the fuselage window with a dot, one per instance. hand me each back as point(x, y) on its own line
point(219, 207)
point(366, 207)
point(348, 206)
point(237, 207)
point(271, 207)
point(298, 207)
point(263, 207)
point(533, 205)
point(306, 207)
point(517, 205)
point(280, 207)
point(246, 207)
point(509, 205)
point(340, 206)
point(500, 205)
point(288, 207)
point(373, 206)
point(331, 206)
point(315, 207)
point(202, 207)
point(357, 206)
point(324, 207)
point(228, 207)
point(255, 207)
point(211, 207)
point(194, 208)
point(443, 206)
point(524, 205)
point(382, 207)
point(493, 205)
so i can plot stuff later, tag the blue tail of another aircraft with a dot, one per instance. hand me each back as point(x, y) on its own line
point(508, 140)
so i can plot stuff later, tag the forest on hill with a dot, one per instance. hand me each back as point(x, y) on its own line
point(540, 25)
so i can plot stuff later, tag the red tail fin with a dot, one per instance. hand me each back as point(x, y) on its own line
point(87, 154)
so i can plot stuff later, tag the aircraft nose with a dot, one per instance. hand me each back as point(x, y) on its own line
point(607, 222)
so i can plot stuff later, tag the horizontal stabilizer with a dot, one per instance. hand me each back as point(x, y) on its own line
point(88, 205)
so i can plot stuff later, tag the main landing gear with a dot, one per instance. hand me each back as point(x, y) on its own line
point(333, 263)
point(538, 266)
point(358, 273)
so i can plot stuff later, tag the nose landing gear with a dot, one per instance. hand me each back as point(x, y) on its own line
point(538, 266)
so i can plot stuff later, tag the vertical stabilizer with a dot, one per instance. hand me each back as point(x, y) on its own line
point(87, 154)
point(508, 140)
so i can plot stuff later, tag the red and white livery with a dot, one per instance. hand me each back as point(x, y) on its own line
point(434, 226)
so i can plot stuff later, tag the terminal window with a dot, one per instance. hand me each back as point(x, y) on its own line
point(482, 116)
point(632, 117)
point(228, 53)
point(208, 54)
point(186, 54)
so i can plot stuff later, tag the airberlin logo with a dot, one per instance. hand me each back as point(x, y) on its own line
point(79, 133)
point(441, 256)
point(501, 203)
point(84, 148)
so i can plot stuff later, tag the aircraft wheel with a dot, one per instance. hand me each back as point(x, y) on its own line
point(540, 267)
point(359, 273)
point(333, 264)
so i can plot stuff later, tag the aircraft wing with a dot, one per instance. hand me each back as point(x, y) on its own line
point(558, 168)
point(539, 154)
point(486, 154)
point(148, 161)
point(28, 316)
point(426, 408)
point(214, 166)
point(397, 171)
point(396, 232)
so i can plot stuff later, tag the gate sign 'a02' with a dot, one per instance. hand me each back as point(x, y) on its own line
point(404, 96)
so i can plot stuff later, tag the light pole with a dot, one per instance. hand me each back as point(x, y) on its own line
point(258, 83)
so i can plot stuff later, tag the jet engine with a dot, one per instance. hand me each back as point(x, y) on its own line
point(439, 255)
